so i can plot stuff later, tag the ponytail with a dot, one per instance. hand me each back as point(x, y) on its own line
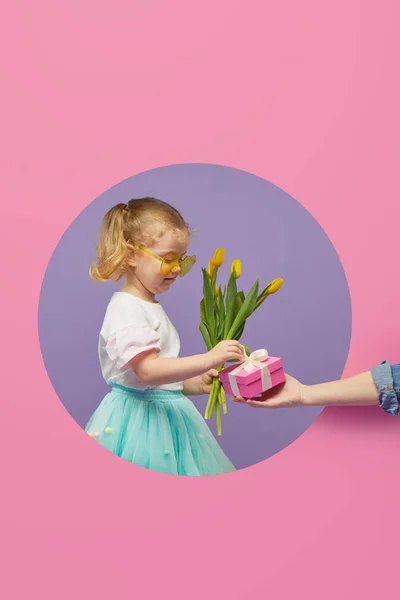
point(111, 248)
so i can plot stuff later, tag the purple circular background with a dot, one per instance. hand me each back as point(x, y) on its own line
point(308, 323)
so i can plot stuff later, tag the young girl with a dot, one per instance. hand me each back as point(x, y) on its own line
point(146, 418)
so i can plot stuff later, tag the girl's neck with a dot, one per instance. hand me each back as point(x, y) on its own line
point(138, 290)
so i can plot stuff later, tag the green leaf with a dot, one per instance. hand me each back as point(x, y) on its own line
point(262, 293)
point(245, 310)
point(202, 310)
point(210, 334)
point(221, 312)
point(259, 302)
point(206, 336)
point(230, 304)
point(240, 298)
point(248, 351)
point(261, 297)
point(209, 307)
point(239, 332)
point(214, 278)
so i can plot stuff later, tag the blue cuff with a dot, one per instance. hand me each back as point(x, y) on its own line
point(387, 381)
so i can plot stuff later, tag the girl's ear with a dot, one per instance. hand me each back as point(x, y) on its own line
point(131, 256)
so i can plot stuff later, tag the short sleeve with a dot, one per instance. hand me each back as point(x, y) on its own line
point(126, 343)
point(127, 330)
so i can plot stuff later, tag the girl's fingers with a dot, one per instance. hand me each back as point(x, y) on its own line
point(237, 345)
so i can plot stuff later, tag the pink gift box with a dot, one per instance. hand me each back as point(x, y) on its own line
point(250, 384)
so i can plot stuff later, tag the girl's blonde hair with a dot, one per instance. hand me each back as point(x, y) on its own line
point(141, 221)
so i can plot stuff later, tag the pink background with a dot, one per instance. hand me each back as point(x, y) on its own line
point(304, 94)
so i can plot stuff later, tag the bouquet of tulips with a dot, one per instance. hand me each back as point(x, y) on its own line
point(223, 315)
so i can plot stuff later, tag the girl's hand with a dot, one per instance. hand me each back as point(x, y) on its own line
point(196, 386)
point(288, 394)
point(224, 351)
point(206, 381)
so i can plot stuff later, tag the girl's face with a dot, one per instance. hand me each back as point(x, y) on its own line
point(146, 275)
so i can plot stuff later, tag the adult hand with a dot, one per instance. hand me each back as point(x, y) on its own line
point(285, 395)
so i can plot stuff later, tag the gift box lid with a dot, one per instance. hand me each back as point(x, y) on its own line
point(274, 363)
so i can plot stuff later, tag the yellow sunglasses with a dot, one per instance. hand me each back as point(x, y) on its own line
point(168, 265)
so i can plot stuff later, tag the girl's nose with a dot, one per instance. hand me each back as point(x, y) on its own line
point(176, 269)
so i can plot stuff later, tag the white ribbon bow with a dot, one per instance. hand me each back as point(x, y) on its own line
point(256, 359)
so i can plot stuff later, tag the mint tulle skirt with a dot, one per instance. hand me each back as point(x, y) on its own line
point(158, 429)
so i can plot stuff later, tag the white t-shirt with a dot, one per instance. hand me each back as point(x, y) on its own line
point(131, 326)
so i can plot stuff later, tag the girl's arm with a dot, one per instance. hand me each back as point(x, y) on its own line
point(193, 386)
point(152, 370)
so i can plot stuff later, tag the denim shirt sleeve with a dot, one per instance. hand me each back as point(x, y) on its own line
point(387, 381)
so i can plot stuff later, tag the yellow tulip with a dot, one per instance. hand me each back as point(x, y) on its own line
point(274, 286)
point(218, 258)
point(237, 267)
point(210, 270)
point(216, 291)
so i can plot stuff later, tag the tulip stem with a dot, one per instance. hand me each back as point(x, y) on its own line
point(223, 400)
point(218, 419)
point(211, 399)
